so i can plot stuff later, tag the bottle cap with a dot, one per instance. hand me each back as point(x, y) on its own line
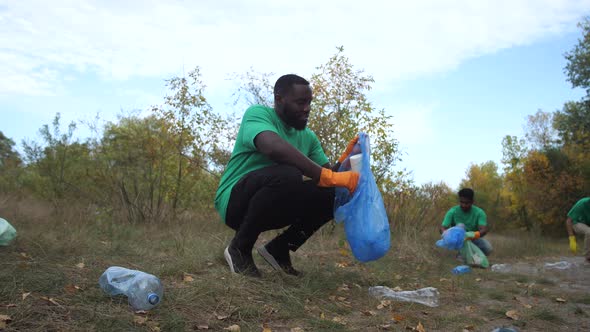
point(153, 299)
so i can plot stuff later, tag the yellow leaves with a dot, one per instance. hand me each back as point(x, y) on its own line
point(344, 252)
point(25, 295)
point(470, 308)
point(383, 304)
point(420, 327)
point(4, 319)
point(513, 314)
point(139, 320)
point(80, 265)
point(233, 328)
point(187, 278)
point(265, 328)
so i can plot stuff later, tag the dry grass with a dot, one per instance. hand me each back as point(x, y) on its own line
point(331, 296)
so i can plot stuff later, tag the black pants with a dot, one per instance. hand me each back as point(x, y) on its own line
point(274, 197)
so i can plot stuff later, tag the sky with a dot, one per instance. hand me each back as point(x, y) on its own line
point(456, 75)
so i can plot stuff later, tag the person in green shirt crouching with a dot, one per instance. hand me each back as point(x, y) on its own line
point(578, 220)
point(473, 217)
point(278, 176)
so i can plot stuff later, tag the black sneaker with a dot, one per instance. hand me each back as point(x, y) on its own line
point(240, 263)
point(280, 261)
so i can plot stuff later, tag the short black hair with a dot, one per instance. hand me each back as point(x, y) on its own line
point(466, 193)
point(286, 82)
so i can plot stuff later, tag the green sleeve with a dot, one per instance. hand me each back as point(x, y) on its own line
point(256, 120)
point(448, 221)
point(316, 153)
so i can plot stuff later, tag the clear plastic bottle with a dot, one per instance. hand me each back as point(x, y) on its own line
point(427, 296)
point(461, 269)
point(143, 290)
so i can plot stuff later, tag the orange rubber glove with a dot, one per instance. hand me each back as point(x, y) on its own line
point(339, 179)
point(348, 150)
point(472, 235)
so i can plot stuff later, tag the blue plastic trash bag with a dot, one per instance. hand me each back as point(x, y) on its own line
point(7, 232)
point(453, 238)
point(365, 221)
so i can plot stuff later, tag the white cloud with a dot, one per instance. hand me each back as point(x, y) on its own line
point(42, 41)
point(414, 123)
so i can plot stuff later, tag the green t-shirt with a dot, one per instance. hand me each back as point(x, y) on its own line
point(245, 158)
point(472, 219)
point(580, 212)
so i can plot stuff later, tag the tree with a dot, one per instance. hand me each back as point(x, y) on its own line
point(341, 109)
point(577, 68)
point(190, 117)
point(514, 154)
point(487, 184)
point(10, 163)
point(539, 130)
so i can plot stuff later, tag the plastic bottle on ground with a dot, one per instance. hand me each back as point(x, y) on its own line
point(427, 296)
point(143, 290)
point(461, 269)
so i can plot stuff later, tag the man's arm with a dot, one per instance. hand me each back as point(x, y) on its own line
point(280, 151)
point(483, 230)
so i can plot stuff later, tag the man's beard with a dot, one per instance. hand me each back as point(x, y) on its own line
point(294, 121)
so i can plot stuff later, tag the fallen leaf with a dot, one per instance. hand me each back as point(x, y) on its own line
point(385, 326)
point(265, 328)
point(322, 315)
point(332, 298)
point(80, 265)
point(397, 289)
point(141, 312)
point(344, 288)
point(70, 289)
point(3, 320)
point(397, 318)
point(469, 328)
point(77, 287)
point(397, 277)
point(233, 328)
point(470, 308)
point(560, 300)
point(24, 255)
point(369, 313)
point(209, 264)
point(50, 300)
point(344, 252)
point(444, 280)
point(420, 327)
point(339, 320)
point(140, 320)
point(222, 317)
point(341, 298)
point(512, 314)
point(296, 329)
point(202, 327)
point(342, 264)
point(478, 279)
point(188, 278)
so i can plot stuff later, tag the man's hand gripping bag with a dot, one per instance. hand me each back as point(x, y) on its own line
point(365, 220)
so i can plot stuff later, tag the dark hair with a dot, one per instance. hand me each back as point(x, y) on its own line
point(285, 82)
point(466, 193)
